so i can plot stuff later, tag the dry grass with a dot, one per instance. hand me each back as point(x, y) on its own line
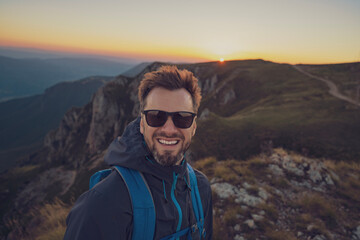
point(224, 171)
point(273, 234)
point(348, 181)
point(270, 211)
point(47, 222)
point(23, 170)
point(205, 163)
point(53, 218)
point(319, 207)
point(342, 167)
point(258, 166)
point(280, 182)
point(313, 226)
point(280, 151)
point(229, 217)
point(350, 189)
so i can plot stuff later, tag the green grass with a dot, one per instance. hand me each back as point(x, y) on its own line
point(286, 107)
point(345, 76)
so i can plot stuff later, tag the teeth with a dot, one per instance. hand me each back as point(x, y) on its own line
point(167, 142)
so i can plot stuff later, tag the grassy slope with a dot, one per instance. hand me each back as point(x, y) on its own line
point(346, 76)
point(275, 102)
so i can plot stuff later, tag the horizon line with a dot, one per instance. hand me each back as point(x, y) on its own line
point(146, 57)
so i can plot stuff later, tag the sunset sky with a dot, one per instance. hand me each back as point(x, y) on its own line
point(291, 31)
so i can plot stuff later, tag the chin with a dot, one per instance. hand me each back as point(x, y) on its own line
point(167, 158)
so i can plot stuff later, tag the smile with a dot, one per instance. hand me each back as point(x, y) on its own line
point(165, 142)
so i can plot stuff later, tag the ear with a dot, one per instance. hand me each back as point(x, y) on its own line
point(141, 126)
point(194, 129)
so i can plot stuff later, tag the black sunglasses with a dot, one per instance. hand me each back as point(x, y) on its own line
point(157, 118)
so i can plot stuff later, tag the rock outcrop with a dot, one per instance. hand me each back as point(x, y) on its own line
point(284, 196)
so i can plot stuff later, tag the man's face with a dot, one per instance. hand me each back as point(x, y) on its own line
point(168, 143)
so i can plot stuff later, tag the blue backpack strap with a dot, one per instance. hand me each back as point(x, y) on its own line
point(98, 176)
point(142, 203)
point(196, 202)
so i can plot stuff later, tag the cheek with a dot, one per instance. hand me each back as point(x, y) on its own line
point(149, 133)
point(188, 135)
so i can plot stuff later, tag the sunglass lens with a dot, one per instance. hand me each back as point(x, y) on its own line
point(183, 119)
point(156, 118)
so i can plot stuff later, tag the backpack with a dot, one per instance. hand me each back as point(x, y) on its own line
point(143, 204)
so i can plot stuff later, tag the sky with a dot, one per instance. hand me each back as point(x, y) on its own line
point(287, 31)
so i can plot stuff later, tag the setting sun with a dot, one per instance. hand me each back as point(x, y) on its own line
point(221, 60)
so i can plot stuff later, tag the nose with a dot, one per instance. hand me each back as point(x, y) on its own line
point(169, 126)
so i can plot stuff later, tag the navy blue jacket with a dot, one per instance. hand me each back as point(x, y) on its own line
point(105, 211)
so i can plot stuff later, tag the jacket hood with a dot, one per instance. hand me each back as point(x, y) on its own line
point(130, 151)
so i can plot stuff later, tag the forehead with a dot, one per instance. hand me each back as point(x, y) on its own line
point(169, 100)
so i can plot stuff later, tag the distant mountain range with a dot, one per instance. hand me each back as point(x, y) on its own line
point(25, 121)
point(35, 53)
point(133, 72)
point(25, 77)
point(248, 108)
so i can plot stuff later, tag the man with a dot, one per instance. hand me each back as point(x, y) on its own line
point(155, 145)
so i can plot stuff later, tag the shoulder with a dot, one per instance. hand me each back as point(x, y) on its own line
point(112, 191)
point(201, 177)
point(203, 183)
point(102, 211)
point(109, 195)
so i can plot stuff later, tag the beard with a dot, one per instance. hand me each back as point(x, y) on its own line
point(167, 158)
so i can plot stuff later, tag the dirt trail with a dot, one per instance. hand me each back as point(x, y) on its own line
point(333, 89)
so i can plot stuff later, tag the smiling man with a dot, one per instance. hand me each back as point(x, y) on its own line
point(153, 145)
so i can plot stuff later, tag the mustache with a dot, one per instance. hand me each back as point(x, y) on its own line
point(174, 135)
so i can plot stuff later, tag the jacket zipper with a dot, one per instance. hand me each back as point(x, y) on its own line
point(176, 202)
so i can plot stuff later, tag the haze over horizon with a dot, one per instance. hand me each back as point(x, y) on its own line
point(290, 31)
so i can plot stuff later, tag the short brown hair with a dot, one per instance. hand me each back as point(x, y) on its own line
point(170, 78)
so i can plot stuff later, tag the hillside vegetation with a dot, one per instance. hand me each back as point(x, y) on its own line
point(256, 104)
